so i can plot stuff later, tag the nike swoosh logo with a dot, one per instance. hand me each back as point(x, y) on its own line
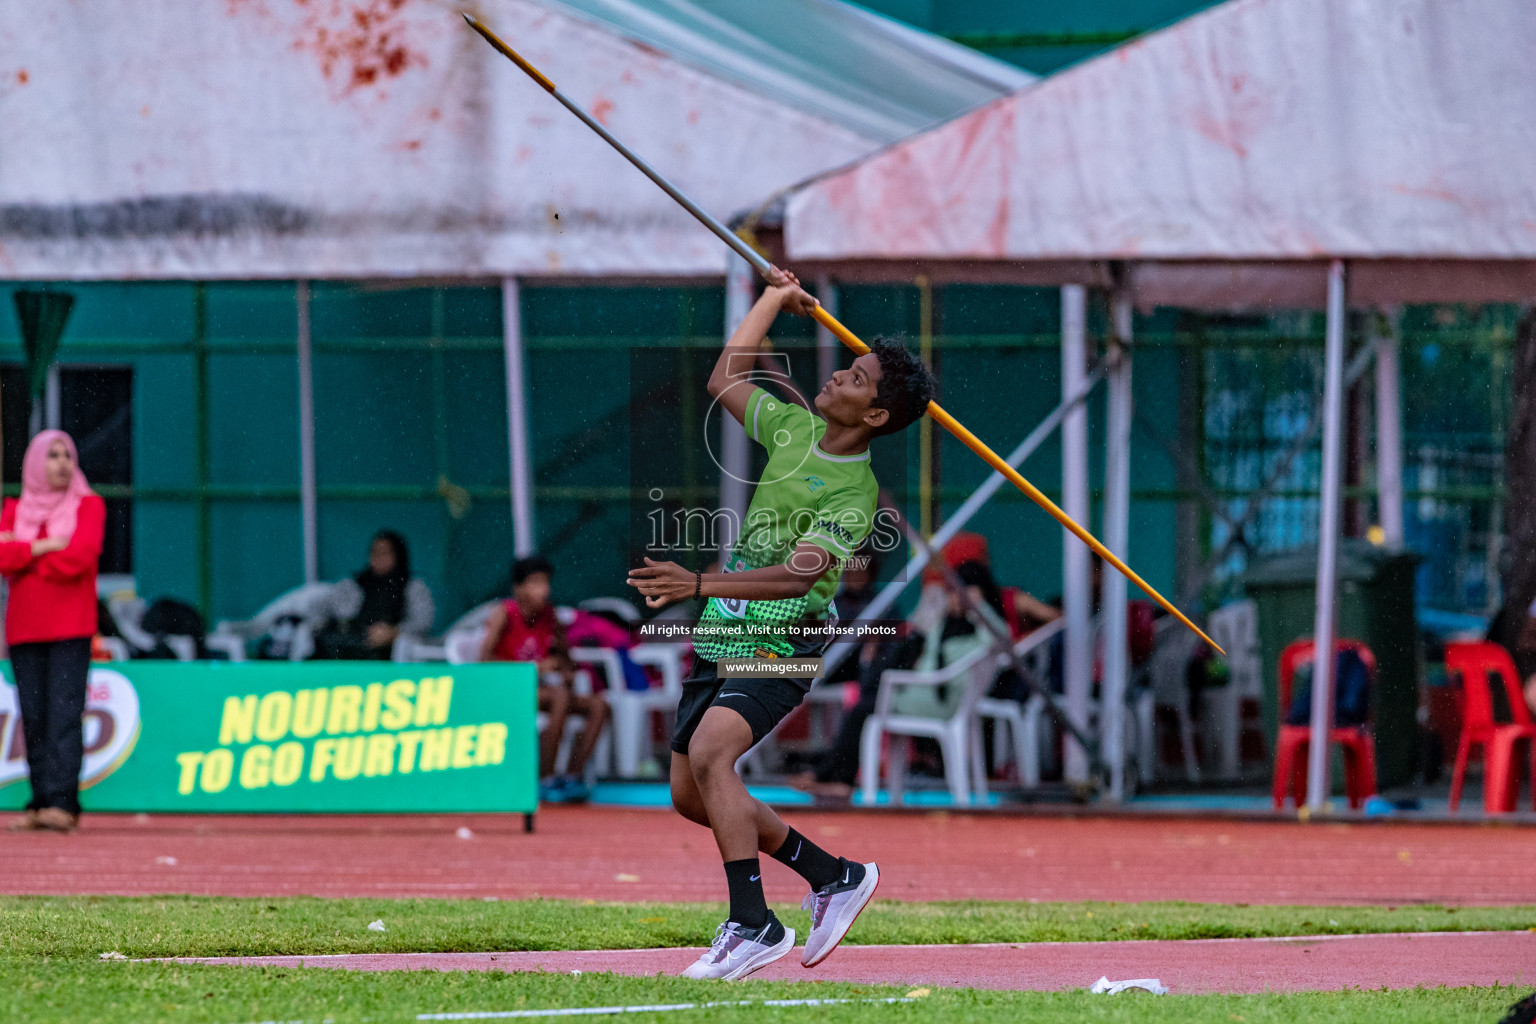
point(754, 878)
point(798, 847)
point(845, 877)
point(724, 695)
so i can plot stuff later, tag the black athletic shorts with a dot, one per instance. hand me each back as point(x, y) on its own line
point(764, 703)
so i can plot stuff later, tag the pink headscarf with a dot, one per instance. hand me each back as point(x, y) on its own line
point(42, 506)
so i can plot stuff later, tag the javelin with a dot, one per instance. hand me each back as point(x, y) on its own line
point(830, 322)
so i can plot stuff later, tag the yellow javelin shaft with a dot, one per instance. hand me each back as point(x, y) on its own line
point(997, 462)
point(831, 323)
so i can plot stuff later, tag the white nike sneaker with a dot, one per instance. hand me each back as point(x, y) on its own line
point(738, 951)
point(833, 911)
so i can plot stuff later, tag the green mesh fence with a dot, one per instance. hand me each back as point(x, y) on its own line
point(411, 428)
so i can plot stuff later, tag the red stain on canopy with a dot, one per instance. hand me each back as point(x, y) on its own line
point(358, 43)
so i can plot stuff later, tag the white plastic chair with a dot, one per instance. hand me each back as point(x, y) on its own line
point(1022, 719)
point(306, 602)
point(414, 650)
point(463, 648)
point(615, 606)
point(117, 647)
point(955, 734)
point(632, 709)
point(128, 615)
point(475, 617)
point(1235, 627)
point(461, 643)
point(1173, 648)
point(825, 705)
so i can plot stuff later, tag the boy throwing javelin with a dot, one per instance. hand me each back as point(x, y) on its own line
point(812, 507)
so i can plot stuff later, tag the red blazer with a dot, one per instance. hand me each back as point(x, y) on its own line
point(53, 597)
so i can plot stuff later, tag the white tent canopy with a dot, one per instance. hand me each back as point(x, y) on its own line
point(276, 138)
point(290, 139)
point(1268, 135)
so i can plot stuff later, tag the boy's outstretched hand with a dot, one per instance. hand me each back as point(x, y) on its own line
point(662, 582)
point(792, 297)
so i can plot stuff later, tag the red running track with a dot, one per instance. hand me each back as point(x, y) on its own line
point(1189, 966)
point(627, 854)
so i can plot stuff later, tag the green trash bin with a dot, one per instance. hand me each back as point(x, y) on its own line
point(1375, 606)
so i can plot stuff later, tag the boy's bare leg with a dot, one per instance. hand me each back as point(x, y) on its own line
point(689, 802)
point(733, 813)
point(554, 701)
point(595, 710)
point(706, 789)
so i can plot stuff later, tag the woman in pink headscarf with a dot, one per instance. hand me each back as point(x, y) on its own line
point(50, 542)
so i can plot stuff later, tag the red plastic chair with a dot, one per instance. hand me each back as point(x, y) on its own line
point(1475, 663)
point(1291, 748)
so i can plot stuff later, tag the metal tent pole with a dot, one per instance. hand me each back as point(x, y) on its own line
point(309, 504)
point(1389, 430)
point(1318, 761)
point(1117, 515)
point(735, 457)
point(523, 535)
point(828, 348)
point(954, 524)
point(53, 399)
point(1074, 501)
point(203, 450)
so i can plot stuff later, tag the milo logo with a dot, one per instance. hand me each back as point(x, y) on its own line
point(111, 726)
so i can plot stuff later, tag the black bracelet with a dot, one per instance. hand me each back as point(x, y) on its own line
point(698, 583)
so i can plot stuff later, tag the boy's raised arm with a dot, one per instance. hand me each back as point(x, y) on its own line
point(740, 352)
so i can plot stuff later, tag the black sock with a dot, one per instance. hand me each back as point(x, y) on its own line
point(815, 865)
point(745, 880)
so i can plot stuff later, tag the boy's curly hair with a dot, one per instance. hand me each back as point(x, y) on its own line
point(906, 385)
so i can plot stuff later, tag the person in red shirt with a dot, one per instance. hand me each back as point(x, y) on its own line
point(50, 543)
point(525, 629)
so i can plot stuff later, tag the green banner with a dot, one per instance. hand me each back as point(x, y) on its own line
point(286, 737)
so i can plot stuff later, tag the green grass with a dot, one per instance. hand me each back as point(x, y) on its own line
point(83, 927)
point(42, 991)
point(50, 968)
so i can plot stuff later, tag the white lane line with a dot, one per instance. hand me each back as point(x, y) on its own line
point(590, 1011)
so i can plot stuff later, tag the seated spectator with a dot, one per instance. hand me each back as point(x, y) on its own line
point(940, 640)
point(525, 628)
point(1021, 610)
point(608, 630)
point(1025, 612)
point(952, 638)
point(380, 604)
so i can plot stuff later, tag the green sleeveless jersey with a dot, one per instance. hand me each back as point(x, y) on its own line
point(804, 496)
